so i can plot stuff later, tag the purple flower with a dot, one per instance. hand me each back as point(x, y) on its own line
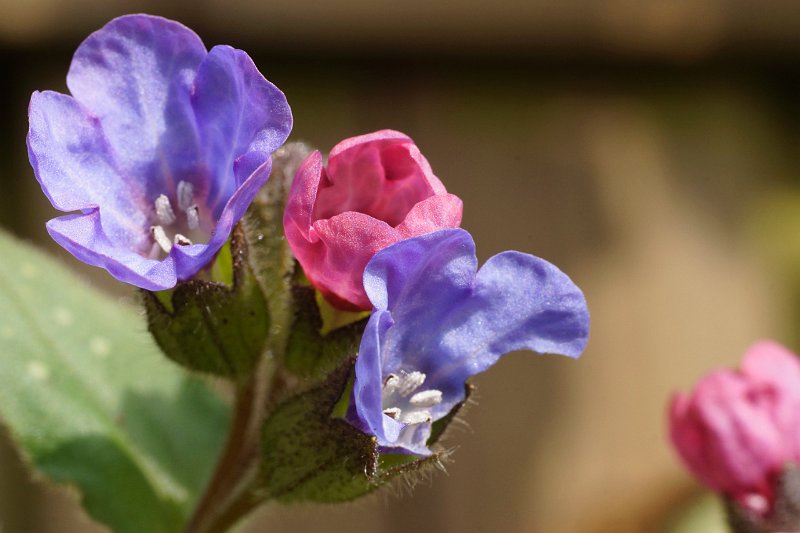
point(439, 320)
point(158, 152)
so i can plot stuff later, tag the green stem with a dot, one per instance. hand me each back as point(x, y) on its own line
point(221, 505)
point(236, 510)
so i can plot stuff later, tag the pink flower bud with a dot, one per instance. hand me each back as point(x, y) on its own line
point(737, 430)
point(378, 189)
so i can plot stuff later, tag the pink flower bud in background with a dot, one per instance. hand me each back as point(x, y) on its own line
point(378, 189)
point(737, 430)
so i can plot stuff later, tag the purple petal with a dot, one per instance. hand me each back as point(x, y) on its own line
point(420, 275)
point(82, 235)
point(135, 76)
point(369, 380)
point(241, 116)
point(74, 165)
point(531, 305)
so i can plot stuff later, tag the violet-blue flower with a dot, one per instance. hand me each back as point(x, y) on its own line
point(159, 150)
point(438, 320)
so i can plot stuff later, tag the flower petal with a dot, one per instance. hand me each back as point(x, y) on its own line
point(354, 181)
point(300, 202)
point(769, 362)
point(384, 137)
point(432, 214)
point(728, 442)
point(135, 76)
point(76, 169)
point(375, 136)
point(531, 305)
point(777, 370)
point(419, 277)
point(346, 243)
point(83, 236)
point(368, 386)
point(242, 118)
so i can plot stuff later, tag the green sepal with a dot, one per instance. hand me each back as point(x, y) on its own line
point(310, 454)
point(212, 327)
point(309, 353)
point(333, 318)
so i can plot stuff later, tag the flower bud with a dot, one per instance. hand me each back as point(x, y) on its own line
point(378, 189)
point(737, 430)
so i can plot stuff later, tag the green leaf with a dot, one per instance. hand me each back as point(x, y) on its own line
point(91, 402)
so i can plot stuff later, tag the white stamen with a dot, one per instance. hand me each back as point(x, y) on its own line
point(410, 382)
point(392, 412)
point(402, 403)
point(185, 194)
point(181, 240)
point(193, 216)
point(415, 417)
point(390, 385)
point(426, 398)
point(164, 212)
point(160, 236)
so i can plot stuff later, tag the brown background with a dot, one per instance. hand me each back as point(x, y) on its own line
point(647, 148)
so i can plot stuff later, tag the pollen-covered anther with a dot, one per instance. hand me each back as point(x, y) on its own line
point(427, 398)
point(181, 240)
point(164, 212)
point(416, 417)
point(185, 193)
point(160, 236)
point(390, 385)
point(410, 382)
point(193, 216)
point(404, 404)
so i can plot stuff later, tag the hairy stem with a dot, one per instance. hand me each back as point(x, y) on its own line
point(229, 494)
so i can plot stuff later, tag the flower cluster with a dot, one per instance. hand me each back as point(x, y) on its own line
point(162, 146)
point(738, 430)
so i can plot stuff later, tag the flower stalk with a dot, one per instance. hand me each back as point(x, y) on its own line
point(231, 491)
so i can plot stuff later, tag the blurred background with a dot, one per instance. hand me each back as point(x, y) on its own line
point(650, 149)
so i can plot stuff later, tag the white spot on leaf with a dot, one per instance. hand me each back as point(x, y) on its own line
point(28, 270)
point(99, 346)
point(38, 371)
point(62, 316)
point(6, 332)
